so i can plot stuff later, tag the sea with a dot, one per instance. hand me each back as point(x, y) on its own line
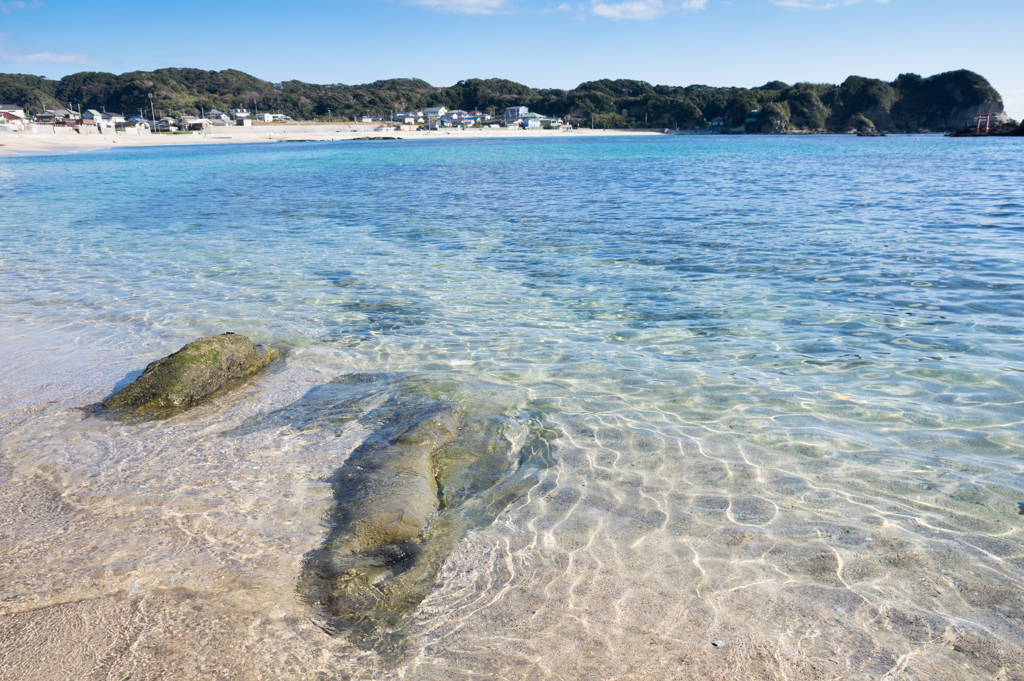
point(753, 407)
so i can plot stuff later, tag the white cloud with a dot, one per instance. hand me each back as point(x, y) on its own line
point(644, 10)
point(12, 53)
point(820, 4)
point(561, 8)
point(461, 6)
point(8, 7)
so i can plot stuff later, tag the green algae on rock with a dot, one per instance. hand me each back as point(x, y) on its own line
point(191, 374)
point(438, 463)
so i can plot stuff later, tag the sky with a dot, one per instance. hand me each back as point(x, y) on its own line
point(541, 43)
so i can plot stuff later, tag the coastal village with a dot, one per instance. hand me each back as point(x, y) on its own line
point(14, 118)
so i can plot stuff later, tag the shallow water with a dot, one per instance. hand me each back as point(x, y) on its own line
point(780, 377)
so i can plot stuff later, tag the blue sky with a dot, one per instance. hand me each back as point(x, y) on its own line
point(542, 43)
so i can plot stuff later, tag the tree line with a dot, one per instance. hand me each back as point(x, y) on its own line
point(911, 102)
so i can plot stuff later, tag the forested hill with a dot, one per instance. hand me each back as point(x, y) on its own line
point(946, 101)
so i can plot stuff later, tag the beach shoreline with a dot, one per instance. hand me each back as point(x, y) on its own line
point(12, 143)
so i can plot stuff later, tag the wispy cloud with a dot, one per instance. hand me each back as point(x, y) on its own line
point(461, 6)
point(561, 8)
point(820, 4)
point(8, 7)
point(645, 10)
point(12, 53)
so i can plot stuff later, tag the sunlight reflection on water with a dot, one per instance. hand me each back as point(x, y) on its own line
point(785, 374)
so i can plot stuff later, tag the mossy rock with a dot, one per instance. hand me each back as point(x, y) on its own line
point(191, 374)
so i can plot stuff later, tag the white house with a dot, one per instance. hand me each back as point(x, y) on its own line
point(10, 121)
point(13, 109)
point(514, 113)
point(435, 112)
point(409, 117)
point(213, 114)
point(135, 124)
point(453, 119)
point(265, 117)
point(92, 117)
point(239, 113)
point(532, 120)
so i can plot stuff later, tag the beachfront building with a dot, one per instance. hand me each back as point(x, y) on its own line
point(166, 124)
point(196, 124)
point(215, 115)
point(134, 124)
point(101, 119)
point(59, 117)
point(239, 113)
point(717, 122)
point(434, 112)
point(11, 122)
point(531, 120)
point(409, 117)
point(515, 113)
point(453, 119)
point(265, 117)
point(13, 109)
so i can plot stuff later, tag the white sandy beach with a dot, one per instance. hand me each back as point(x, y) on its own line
point(21, 142)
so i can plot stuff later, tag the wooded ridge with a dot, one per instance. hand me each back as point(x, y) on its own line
point(943, 102)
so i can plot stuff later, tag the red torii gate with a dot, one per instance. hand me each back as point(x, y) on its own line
point(987, 117)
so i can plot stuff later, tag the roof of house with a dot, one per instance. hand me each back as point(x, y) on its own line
point(11, 107)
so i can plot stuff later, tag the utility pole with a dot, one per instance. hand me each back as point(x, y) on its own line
point(151, 111)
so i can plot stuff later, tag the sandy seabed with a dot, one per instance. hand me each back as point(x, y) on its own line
point(655, 549)
point(168, 551)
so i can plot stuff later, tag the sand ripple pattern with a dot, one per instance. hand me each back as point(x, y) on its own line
point(780, 382)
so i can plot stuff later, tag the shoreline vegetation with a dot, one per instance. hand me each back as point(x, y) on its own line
point(946, 102)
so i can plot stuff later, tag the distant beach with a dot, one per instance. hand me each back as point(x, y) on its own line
point(14, 142)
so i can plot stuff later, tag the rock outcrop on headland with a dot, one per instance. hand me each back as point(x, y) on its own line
point(1007, 128)
point(191, 374)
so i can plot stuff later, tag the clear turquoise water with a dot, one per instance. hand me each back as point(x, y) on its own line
point(785, 370)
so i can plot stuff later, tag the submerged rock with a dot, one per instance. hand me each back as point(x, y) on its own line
point(389, 485)
point(403, 499)
point(194, 372)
